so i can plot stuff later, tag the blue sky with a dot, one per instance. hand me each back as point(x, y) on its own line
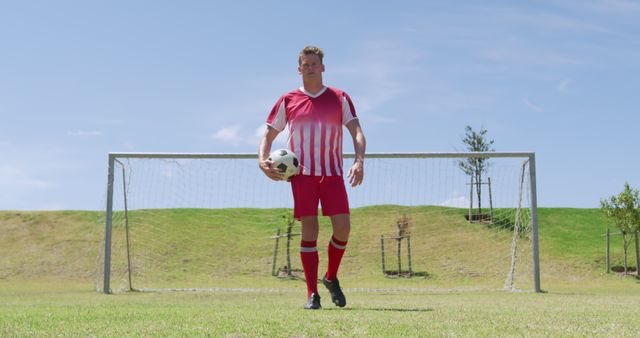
point(79, 79)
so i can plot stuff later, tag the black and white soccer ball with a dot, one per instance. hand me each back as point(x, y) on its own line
point(286, 162)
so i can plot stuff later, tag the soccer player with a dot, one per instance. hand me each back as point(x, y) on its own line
point(315, 115)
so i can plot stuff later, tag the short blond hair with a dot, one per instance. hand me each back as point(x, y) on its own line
point(310, 50)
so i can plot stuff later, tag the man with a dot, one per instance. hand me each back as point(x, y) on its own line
point(315, 115)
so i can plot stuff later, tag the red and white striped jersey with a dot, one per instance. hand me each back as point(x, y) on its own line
point(315, 127)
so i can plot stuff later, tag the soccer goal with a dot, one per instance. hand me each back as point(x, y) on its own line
point(207, 222)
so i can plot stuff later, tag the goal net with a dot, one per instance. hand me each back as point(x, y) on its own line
point(419, 222)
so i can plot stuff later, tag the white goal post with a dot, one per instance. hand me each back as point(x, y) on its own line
point(427, 187)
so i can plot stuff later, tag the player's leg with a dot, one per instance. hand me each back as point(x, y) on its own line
point(309, 256)
point(310, 228)
point(335, 204)
point(305, 197)
point(338, 244)
point(309, 252)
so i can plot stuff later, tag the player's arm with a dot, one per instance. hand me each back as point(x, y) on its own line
point(263, 154)
point(356, 172)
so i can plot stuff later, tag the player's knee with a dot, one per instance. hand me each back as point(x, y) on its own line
point(341, 230)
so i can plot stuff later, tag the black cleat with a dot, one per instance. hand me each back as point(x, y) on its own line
point(313, 303)
point(336, 292)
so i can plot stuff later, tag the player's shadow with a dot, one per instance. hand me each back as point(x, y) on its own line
point(382, 309)
point(406, 274)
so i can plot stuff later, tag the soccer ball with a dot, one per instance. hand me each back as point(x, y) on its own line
point(286, 162)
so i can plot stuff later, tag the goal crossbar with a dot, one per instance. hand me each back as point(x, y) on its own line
point(346, 155)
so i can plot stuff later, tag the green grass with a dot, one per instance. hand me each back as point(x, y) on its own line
point(66, 244)
point(576, 236)
point(60, 244)
point(573, 233)
point(72, 310)
point(48, 271)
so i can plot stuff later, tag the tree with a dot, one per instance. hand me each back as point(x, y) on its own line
point(624, 210)
point(476, 166)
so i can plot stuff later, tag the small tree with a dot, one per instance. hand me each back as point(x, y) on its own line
point(624, 209)
point(475, 167)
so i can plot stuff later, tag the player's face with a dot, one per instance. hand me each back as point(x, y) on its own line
point(310, 65)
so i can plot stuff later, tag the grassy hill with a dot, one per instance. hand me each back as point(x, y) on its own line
point(575, 235)
point(65, 244)
point(57, 244)
point(48, 268)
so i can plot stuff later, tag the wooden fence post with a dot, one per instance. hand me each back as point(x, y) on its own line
point(384, 271)
point(637, 257)
point(608, 265)
point(490, 200)
point(399, 255)
point(289, 249)
point(470, 199)
point(409, 254)
point(275, 254)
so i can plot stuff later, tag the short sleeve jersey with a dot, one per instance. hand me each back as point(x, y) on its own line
point(315, 127)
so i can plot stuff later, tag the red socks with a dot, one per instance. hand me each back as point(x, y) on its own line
point(309, 258)
point(336, 250)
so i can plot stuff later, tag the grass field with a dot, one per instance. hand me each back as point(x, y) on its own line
point(47, 288)
point(64, 309)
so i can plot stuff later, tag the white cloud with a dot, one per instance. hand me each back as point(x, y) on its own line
point(228, 135)
point(528, 103)
point(562, 86)
point(128, 145)
point(515, 50)
point(379, 71)
point(236, 135)
point(381, 119)
point(85, 133)
point(260, 131)
point(513, 54)
point(280, 140)
point(444, 103)
point(456, 202)
point(624, 7)
point(258, 134)
point(13, 178)
point(109, 121)
point(544, 20)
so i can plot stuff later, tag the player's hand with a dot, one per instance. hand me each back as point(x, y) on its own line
point(356, 174)
point(273, 173)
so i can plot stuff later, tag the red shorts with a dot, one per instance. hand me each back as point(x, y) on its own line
point(309, 190)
